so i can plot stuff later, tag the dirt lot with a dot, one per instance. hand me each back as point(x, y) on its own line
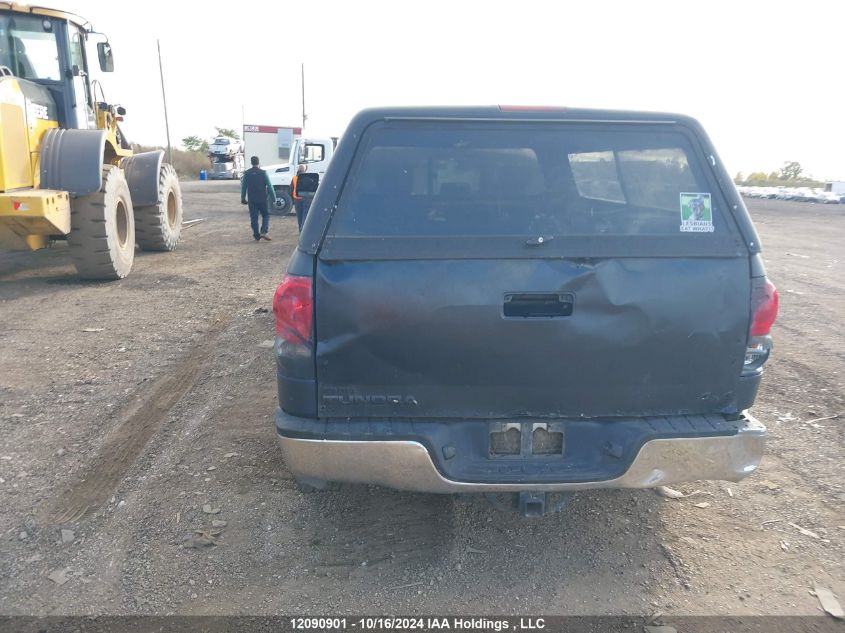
point(125, 408)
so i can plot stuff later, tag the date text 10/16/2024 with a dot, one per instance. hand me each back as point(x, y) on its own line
point(453, 623)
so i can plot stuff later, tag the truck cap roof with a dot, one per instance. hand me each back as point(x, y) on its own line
point(519, 112)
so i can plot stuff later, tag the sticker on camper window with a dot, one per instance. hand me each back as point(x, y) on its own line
point(696, 213)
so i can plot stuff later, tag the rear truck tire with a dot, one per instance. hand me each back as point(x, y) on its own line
point(286, 206)
point(157, 227)
point(102, 229)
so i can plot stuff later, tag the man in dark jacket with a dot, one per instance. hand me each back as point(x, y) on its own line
point(257, 189)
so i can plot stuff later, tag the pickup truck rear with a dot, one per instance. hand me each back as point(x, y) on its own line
point(523, 301)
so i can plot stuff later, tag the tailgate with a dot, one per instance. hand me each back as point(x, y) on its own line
point(431, 338)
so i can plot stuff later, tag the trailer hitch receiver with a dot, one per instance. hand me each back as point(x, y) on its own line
point(532, 504)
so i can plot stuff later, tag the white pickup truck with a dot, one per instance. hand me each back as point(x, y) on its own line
point(312, 153)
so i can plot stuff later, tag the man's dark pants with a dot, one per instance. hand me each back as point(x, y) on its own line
point(254, 209)
point(302, 207)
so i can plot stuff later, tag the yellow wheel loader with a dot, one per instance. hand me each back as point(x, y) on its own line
point(66, 170)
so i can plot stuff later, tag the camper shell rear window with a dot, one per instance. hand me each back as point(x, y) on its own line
point(508, 182)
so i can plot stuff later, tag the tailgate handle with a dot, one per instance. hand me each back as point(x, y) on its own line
point(538, 304)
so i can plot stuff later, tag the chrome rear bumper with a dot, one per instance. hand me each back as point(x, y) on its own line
point(406, 465)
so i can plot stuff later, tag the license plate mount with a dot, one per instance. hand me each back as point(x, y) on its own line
point(522, 440)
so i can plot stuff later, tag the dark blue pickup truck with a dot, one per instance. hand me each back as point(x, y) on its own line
point(523, 300)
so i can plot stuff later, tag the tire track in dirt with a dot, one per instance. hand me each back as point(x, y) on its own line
point(139, 422)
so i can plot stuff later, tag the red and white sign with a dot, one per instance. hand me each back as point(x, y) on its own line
point(272, 129)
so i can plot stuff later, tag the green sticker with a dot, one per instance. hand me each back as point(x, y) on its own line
point(696, 213)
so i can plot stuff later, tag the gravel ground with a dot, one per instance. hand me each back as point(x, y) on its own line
point(134, 413)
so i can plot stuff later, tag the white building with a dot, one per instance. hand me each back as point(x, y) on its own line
point(271, 143)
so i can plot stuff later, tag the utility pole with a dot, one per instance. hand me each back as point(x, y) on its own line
point(164, 100)
point(304, 116)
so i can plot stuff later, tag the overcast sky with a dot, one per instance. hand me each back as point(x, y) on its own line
point(765, 78)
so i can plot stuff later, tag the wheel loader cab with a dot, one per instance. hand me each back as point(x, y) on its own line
point(66, 169)
point(50, 52)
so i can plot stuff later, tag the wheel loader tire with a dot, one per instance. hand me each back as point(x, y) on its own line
point(157, 227)
point(102, 229)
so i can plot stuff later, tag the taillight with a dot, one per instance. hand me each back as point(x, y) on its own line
point(764, 308)
point(293, 305)
point(764, 311)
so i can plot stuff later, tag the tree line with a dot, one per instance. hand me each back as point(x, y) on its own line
point(791, 174)
point(198, 144)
